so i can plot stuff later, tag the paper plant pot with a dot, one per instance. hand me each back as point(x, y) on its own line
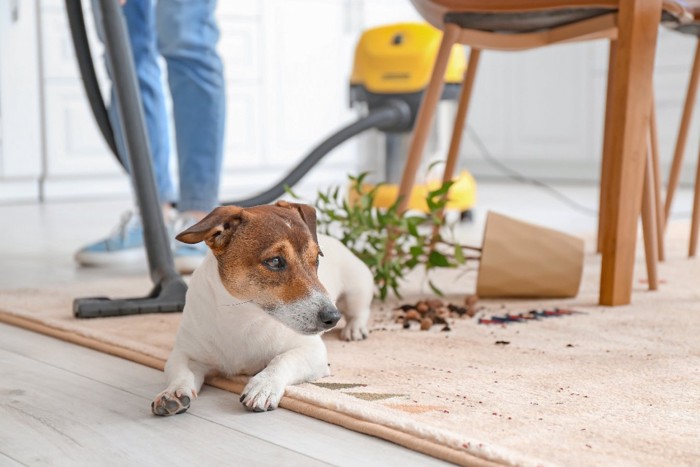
point(525, 260)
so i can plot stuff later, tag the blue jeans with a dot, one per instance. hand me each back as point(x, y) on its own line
point(185, 34)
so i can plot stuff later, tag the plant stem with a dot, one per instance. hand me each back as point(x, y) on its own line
point(466, 258)
point(466, 247)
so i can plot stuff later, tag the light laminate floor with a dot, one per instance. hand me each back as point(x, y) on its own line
point(61, 404)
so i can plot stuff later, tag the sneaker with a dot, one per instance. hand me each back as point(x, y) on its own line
point(123, 246)
point(187, 257)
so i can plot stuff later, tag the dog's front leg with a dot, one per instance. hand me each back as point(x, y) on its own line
point(264, 390)
point(185, 378)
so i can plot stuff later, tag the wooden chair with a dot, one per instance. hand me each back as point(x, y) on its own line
point(512, 25)
point(693, 29)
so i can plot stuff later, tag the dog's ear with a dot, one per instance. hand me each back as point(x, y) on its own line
point(216, 229)
point(307, 213)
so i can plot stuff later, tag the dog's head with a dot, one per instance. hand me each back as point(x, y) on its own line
point(269, 255)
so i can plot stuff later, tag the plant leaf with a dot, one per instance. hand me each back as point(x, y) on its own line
point(459, 255)
point(435, 289)
point(437, 259)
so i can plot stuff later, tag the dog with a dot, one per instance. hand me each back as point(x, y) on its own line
point(259, 303)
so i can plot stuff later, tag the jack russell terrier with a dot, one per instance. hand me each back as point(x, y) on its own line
point(259, 303)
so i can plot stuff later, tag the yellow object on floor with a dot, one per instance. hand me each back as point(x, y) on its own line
point(462, 194)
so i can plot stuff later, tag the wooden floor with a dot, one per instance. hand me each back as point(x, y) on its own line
point(61, 404)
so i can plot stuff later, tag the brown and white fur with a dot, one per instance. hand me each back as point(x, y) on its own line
point(259, 302)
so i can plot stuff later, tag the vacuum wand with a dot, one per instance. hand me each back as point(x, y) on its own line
point(168, 293)
point(138, 150)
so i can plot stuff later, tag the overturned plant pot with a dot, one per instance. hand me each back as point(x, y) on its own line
point(525, 260)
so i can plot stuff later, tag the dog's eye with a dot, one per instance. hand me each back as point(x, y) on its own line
point(318, 260)
point(276, 263)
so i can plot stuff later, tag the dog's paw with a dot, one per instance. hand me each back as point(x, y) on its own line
point(172, 402)
point(355, 330)
point(262, 393)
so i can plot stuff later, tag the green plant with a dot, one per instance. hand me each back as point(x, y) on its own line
point(369, 231)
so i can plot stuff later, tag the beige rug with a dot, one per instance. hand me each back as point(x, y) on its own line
point(606, 387)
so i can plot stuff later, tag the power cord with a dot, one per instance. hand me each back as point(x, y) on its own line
point(518, 177)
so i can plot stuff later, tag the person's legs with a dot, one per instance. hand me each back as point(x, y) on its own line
point(125, 244)
point(187, 38)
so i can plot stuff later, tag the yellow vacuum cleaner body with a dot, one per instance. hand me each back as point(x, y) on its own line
point(399, 59)
point(395, 62)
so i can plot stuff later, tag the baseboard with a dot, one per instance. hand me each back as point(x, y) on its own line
point(19, 191)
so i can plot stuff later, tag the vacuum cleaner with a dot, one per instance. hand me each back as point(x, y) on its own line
point(391, 70)
point(392, 67)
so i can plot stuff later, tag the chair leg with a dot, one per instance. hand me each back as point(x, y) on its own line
point(649, 224)
point(605, 160)
point(629, 129)
point(682, 133)
point(460, 122)
point(656, 181)
point(425, 115)
point(461, 117)
point(695, 219)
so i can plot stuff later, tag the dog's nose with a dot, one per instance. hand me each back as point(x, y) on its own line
point(329, 316)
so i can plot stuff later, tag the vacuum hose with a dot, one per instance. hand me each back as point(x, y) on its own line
point(392, 113)
point(76, 20)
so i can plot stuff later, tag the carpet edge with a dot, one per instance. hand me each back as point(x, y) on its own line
point(406, 440)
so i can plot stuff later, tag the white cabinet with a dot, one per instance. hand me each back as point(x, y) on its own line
point(20, 104)
point(533, 111)
point(78, 161)
point(302, 56)
point(306, 95)
point(674, 61)
point(541, 112)
point(241, 51)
